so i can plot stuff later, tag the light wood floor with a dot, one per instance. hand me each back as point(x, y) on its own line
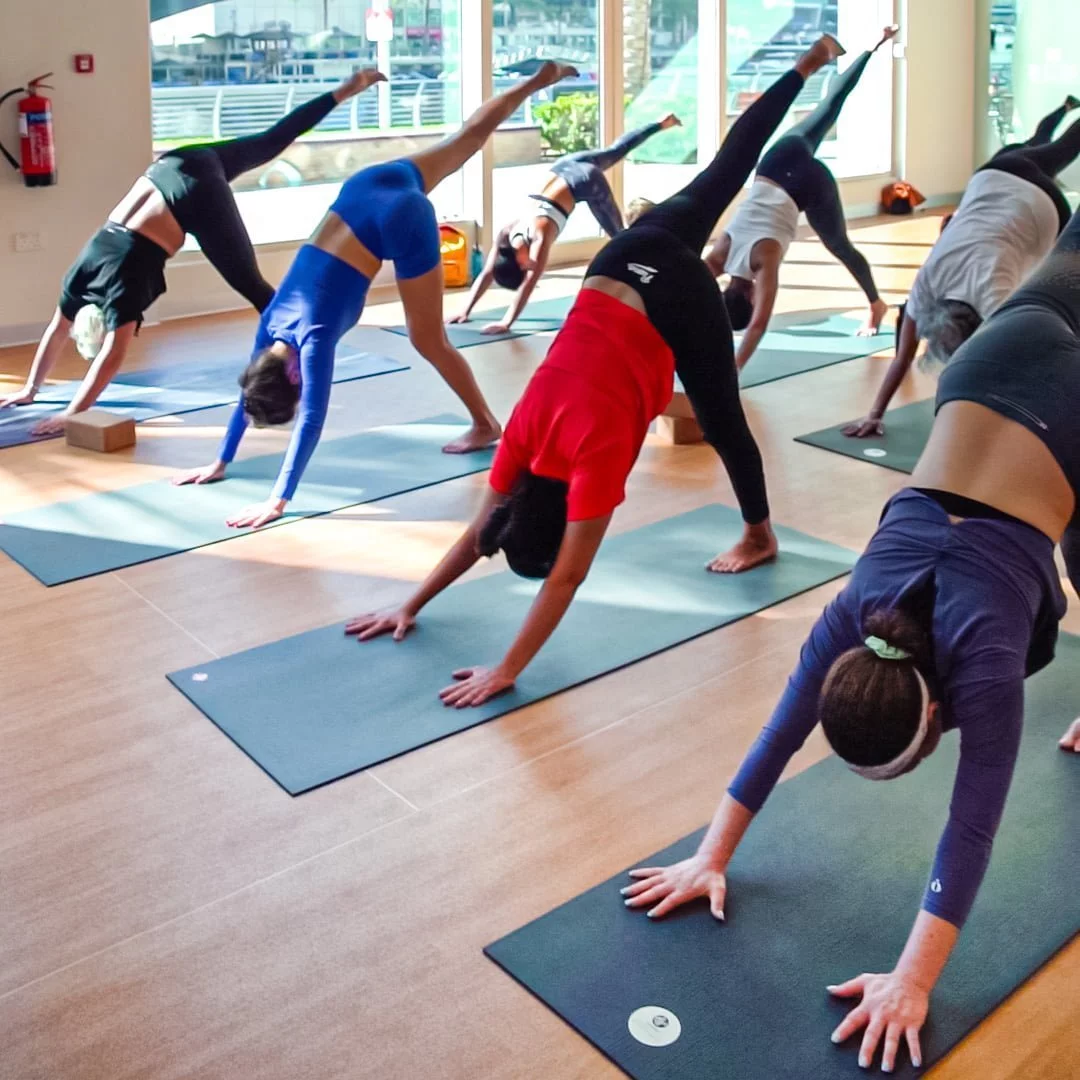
point(167, 911)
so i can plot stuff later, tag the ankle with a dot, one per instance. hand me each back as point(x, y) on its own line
point(760, 535)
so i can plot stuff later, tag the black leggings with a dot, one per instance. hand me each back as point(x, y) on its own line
point(659, 256)
point(791, 163)
point(194, 181)
point(583, 174)
point(1024, 363)
point(1039, 160)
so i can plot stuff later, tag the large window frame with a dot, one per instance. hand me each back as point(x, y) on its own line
point(477, 28)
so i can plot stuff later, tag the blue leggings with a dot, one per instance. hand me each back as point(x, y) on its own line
point(583, 174)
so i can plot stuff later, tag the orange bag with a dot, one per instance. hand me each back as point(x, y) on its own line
point(454, 246)
point(900, 197)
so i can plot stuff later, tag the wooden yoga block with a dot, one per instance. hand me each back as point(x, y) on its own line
point(677, 424)
point(99, 430)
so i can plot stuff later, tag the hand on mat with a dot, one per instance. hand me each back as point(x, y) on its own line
point(51, 425)
point(474, 686)
point(208, 474)
point(861, 429)
point(253, 517)
point(676, 885)
point(1071, 739)
point(460, 317)
point(495, 328)
point(892, 1006)
point(366, 627)
point(23, 397)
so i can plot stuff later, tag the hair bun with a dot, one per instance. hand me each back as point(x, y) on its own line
point(899, 629)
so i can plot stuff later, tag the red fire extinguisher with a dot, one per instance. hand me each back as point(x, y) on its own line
point(37, 149)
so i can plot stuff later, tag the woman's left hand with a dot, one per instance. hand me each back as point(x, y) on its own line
point(496, 328)
point(51, 425)
point(474, 686)
point(252, 517)
point(892, 1006)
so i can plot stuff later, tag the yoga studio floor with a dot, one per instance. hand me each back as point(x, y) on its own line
point(166, 910)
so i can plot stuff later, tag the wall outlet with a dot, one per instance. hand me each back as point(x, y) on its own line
point(28, 241)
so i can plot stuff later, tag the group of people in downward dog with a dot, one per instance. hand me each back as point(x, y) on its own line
point(956, 599)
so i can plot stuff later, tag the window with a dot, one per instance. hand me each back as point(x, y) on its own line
point(660, 76)
point(764, 37)
point(1032, 69)
point(234, 67)
point(564, 119)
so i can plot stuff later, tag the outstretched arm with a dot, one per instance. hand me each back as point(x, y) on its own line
point(906, 348)
point(480, 285)
point(539, 253)
point(48, 352)
point(580, 544)
point(106, 364)
point(766, 286)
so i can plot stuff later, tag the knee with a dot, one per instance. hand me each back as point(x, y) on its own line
point(431, 344)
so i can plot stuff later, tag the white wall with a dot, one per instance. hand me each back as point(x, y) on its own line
point(102, 136)
point(103, 139)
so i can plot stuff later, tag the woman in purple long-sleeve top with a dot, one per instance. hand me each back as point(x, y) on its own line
point(955, 601)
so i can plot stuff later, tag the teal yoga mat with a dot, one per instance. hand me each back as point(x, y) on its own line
point(647, 592)
point(114, 529)
point(538, 317)
point(824, 886)
point(906, 432)
point(169, 391)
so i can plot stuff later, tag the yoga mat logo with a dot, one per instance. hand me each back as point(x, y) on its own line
point(875, 452)
point(654, 1026)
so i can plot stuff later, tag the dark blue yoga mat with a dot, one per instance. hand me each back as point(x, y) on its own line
point(538, 317)
point(114, 529)
point(647, 592)
point(825, 886)
point(169, 391)
point(907, 430)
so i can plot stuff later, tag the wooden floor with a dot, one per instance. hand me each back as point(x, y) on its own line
point(167, 911)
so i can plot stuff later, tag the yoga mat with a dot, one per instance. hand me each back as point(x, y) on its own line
point(906, 432)
point(647, 592)
point(540, 316)
point(825, 886)
point(168, 391)
point(114, 529)
point(822, 332)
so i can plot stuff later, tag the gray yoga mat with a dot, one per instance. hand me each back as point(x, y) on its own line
point(114, 529)
point(906, 432)
point(538, 317)
point(824, 886)
point(647, 592)
point(169, 391)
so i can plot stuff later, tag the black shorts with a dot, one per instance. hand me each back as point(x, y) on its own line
point(120, 271)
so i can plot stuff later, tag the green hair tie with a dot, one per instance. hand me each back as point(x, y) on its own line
point(884, 650)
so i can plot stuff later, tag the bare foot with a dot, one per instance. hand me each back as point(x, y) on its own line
point(552, 72)
point(357, 83)
point(886, 35)
point(670, 121)
point(478, 437)
point(1072, 102)
point(824, 51)
point(878, 310)
point(758, 545)
point(1071, 739)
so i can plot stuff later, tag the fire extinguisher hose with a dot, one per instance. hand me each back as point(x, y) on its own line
point(3, 149)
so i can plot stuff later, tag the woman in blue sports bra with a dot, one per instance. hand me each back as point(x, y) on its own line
point(381, 213)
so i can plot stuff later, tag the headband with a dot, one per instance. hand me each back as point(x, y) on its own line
point(906, 756)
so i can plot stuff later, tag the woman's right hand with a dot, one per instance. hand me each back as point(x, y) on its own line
point(366, 627)
point(208, 474)
point(669, 887)
point(462, 317)
point(24, 397)
point(862, 429)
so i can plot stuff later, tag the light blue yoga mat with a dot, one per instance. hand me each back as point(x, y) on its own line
point(168, 391)
point(823, 332)
point(647, 592)
point(114, 529)
point(543, 315)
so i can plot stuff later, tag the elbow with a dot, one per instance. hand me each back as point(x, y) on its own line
point(568, 579)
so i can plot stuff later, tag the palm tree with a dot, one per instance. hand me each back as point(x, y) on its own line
point(636, 65)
